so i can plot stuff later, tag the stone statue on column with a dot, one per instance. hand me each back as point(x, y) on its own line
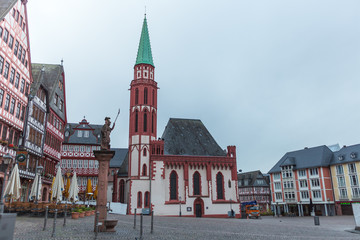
point(105, 134)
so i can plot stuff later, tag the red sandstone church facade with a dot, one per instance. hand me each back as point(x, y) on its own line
point(185, 172)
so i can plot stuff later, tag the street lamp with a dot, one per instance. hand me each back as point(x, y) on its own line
point(6, 161)
point(180, 206)
point(39, 170)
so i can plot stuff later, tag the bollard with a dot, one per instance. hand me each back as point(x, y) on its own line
point(97, 224)
point(316, 220)
point(152, 222)
point(135, 219)
point(54, 226)
point(141, 225)
point(65, 215)
point(46, 216)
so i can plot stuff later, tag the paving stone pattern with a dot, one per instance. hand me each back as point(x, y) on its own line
point(192, 228)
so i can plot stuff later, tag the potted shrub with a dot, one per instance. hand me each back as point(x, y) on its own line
point(93, 210)
point(74, 214)
point(87, 211)
point(81, 213)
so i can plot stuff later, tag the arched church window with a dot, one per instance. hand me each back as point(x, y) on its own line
point(153, 97)
point(144, 152)
point(173, 186)
point(197, 184)
point(220, 186)
point(144, 170)
point(122, 191)
point(139, 202)
point(136, 96)
point(136, 120)
point(147, 199)
point(145, 96)
point(145, 121)
point(152, 122)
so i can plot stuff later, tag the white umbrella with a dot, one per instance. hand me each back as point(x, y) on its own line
point(58, 187)
point(35, 187)
point(13, 186)
point(74, 189)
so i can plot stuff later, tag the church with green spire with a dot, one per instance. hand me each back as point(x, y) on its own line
point(144, 55)
point(184, 167)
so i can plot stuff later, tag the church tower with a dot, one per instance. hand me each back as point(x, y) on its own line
point(143, 122)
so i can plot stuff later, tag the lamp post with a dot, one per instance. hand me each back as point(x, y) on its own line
point(7, 159)
point(180, 206)
point(39, 170)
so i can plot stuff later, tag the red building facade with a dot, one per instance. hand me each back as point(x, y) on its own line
point(301, 182)
point(15, 77)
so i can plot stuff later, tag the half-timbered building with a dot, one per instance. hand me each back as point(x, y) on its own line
point(46, 120)
point(81, 139)
point(255, 186)
point(15, 78)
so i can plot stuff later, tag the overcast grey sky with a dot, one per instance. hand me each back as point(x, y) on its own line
point(267, 76)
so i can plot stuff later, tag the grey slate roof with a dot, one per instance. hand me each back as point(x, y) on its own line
point(119, 157)
point(189, 137)
point(50, 75)
point(5, 7)
point(71, 135)
point(252, 177)
point(306, 158)
point(123, 171)
point(346, 154)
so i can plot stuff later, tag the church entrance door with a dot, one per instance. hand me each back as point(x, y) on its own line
point(199, 207)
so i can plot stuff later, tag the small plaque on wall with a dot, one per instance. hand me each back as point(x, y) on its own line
point(188, 209)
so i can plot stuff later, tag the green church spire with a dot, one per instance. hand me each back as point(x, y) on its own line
point(144, 52)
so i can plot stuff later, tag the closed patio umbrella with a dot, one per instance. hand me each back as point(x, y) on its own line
point(89, 190)
point(58, 187)
point(13, 187)
point(96, 191)
point(67, 187)
point(74, 189)
point(34, 187)
point(52, 185)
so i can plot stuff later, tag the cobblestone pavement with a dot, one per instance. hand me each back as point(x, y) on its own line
point(192, 228)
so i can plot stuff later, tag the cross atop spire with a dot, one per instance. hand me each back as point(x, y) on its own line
point(144, 54)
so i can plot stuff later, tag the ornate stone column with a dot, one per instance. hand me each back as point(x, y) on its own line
point(104, 157)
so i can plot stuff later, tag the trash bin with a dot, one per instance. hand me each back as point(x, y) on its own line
point(316, 220)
